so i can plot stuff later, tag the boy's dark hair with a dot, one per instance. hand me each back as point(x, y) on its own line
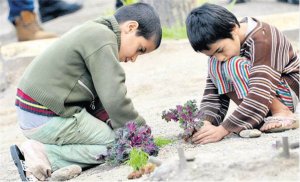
point(207, 24)
point(146, 16)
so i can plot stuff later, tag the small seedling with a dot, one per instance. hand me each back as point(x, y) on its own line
point(161, 142)
point(137, 159)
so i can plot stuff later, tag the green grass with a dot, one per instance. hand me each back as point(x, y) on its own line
point(109, 12)
point(231, 5)
point(176, 32)
point(179, 32)
point(127, 2)
point(200, 2)
point(160, 142)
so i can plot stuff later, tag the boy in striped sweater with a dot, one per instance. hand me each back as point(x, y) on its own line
point(251, 63)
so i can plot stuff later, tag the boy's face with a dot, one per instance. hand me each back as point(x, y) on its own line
point(132, 45)
point(224, 49)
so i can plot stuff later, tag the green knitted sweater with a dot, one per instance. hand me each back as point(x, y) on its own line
point(79, 67)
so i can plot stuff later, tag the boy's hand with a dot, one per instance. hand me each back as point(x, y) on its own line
point(209, 134)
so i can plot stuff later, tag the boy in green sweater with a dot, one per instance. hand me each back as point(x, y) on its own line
point(72, 96)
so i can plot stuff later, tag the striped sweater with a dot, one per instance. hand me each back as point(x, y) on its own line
point(272, 59)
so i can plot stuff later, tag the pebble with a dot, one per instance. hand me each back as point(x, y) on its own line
point(66, 173)
point(250, 133)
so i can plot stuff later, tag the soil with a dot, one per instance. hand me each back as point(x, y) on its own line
point(158, 81)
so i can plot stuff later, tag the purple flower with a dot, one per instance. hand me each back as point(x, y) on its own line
point(171, 115)
point(136, 141)
point(131, 127)
point(150, 148)
point(128, 137)
point(179, 108)
point(188, 115)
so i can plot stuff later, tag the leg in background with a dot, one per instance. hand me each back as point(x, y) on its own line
point(22, 16)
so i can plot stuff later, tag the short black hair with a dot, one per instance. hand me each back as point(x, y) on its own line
point(146, 16)
point(209, 23)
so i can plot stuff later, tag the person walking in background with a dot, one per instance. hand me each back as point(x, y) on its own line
point(25, 21)
point(287, 1)
point(119, 3)
point(237, 1)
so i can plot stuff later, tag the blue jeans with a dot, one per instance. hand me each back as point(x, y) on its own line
point(16, 6)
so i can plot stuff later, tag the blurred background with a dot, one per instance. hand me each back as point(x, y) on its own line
point(69, 13)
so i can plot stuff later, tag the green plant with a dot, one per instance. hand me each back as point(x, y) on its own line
point(188, 115)
point(137, 159)
point(127, 2)
point(127, 138)
point(160, 142)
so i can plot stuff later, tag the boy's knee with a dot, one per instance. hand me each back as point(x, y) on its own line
point(237, 63)
point(237, 60)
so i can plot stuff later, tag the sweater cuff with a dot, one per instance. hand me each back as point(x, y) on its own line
point(211, 119)
point(229, 126)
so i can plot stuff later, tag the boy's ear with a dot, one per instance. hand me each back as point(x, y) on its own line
point(131, 26)
point(235, 29)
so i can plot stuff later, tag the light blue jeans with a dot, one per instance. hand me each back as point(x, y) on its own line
point(75, 140)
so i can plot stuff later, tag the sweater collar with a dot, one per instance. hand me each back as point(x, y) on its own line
point(256, 28)
point(112, 24)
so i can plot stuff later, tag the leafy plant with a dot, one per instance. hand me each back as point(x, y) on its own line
point(137, 159)
point(188, 116)
point(127, 138)
point(160, 142)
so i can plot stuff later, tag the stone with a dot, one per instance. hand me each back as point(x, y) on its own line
point(254, 133)
point(66, 173)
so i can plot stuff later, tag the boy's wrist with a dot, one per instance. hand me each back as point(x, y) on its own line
point(205, 122)
point(223, 130)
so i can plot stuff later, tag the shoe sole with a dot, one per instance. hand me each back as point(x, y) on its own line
point(17, 157)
